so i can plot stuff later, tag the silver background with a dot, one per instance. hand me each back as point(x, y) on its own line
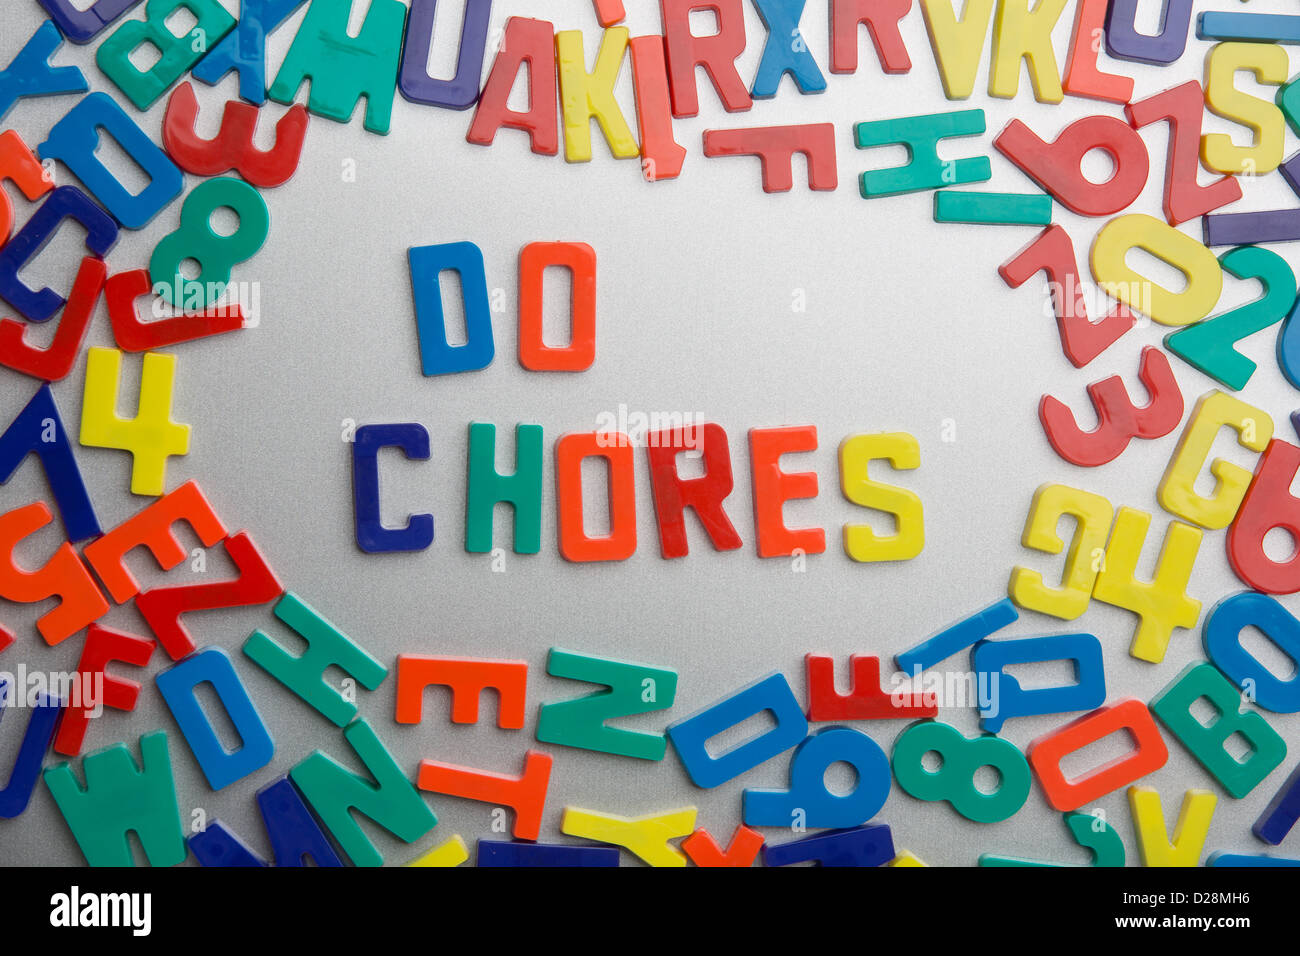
point(907, 325)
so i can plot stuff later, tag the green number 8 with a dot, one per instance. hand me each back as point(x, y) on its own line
point(216, 254)
point(954, 781)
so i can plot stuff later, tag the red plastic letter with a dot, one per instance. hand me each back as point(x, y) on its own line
point(1046, 753)
point(867, 700)
point(1268, 504)
point(773, 488)
point(1082, 77)
point(1052, 252)
point(525, 794)
point(575, 543)
point(531, 42)
point(63, 576)
point(716, 53)
point(661, 155)
point(56, 361)
point(775, 147)
point(467, 678)
point(673, 494)
point(580, 259)
point(152, 528)
point(233, 147)
point(102, 647)
point(881, 18)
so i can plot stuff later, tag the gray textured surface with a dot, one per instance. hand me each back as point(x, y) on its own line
point(907, 327)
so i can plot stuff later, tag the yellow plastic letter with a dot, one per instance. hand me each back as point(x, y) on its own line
point(646, 836)
point(861, 543)
point(1268, 62)
point(1020, 33)
point(1198, 265)
point(584, 96)
point(1083, 562)
point(958, 44)
point(1177, 491)
point(1190, 831)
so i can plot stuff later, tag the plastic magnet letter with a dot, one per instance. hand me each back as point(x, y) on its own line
point(775, 147)
point(327, 647)
point(861, 543)
point(784, 51)
point(609, 12)
point(63, 576)
point(871, 845)
point(1200, 269)
point(905, 858)
point(1206, 742)
point(151, 436)
point(153, 528)
point(461, 91)
point(133, 334)
point(1288, 350)
point(177, 54)
point(960, 636)
point(26, 768)
point(960, 758)
point(991, 658)
point(162, 607)
point(1208, 345)
point(216, 254)
point(413, 439)
point(524, 794)
point(866, 700)
point(450, 853)
point(98, 688)
point(774, 487)
point(1082, 75)
point(1222, 641)
point(1118, 419)
point(704, 493)
point(233, 148)
point(958, 43)
point(38, 429)
point(647, 837)
point(1046, 754)
point(808, 800)
point(575, 544)
point(580, 259)
point(1193, 826)
point(64, 202)
point(507, 853)
point(881, 18)
point(467, 678)
point(1177, 492)
point(1052, 253)
point(1056, 165)
point(1288, 100)
point(1124, 42)
point(342, 67)
point(586, 96)
point(1270, 66)
point(920, 136)
point(717, 53)
point(1162, 604)
point(1106, 846)
point(19, 165)
point(743, 849)
point(1268, 505)
point(122, 797)
point(661, 154)
point(582, 722)
point(1183, 106)
point(690, 734)
point(74, 141)
point(220, 766)
point(1278, 817)
point(1222, 859)
point(216, 845)
point(338, 795)
point(53, 363)
point(992, 209)
point(81, 23)
point(243, 49)
point(1093, 514)
point(1022, 30)
point(427, 263)
point(488, 487)
point(1247, 228)
point(30, 74)
point(1260, 27)
point(531, 42)
point(294, 833)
